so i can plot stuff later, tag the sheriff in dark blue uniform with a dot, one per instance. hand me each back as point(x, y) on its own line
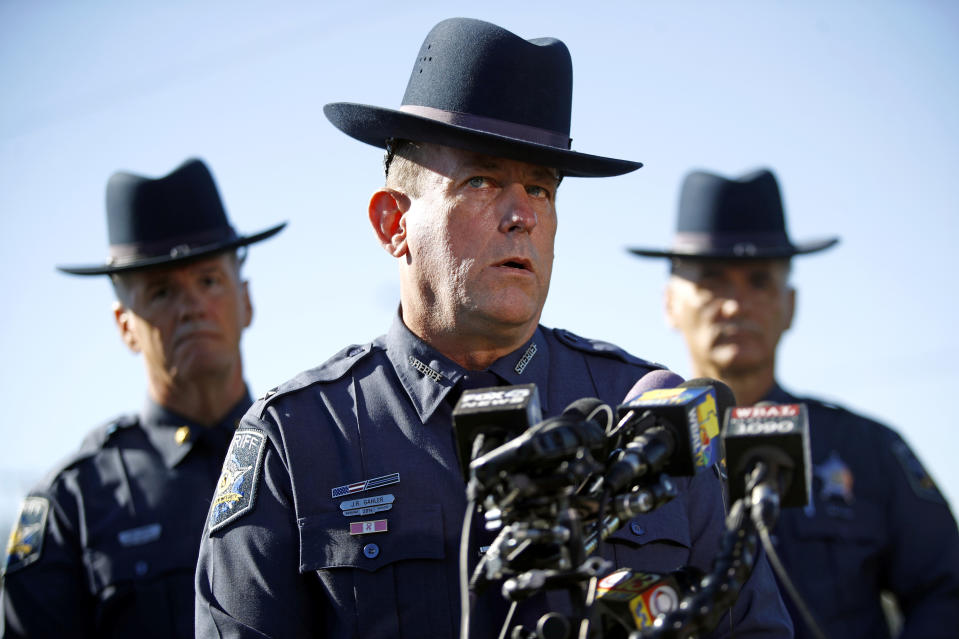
point(106, 544)
point(876, 521)
point(341, 502)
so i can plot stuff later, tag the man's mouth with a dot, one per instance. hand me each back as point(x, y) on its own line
point(517, 263)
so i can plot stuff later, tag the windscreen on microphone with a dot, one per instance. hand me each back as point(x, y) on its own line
point(591, 409)
point(776, 435)
point(660, 378)
point(689, 412)
point(499, 414)
point(544, 446)
point(725, 398)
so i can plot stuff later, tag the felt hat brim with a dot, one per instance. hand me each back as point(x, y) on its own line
point(739, 251)
point(181, 253)
point(375, 125)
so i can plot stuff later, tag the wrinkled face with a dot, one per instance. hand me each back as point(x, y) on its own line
point(185, 320)
point(480, 234)
point(731, 313)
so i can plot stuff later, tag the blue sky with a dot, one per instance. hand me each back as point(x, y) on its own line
point(853, 104)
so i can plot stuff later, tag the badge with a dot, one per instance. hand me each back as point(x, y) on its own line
point(367, 501)
point(367, 527)
point(236, 490)
point(920, 481)
point(837, 480)
point(370, 510)
point(26, 538)
point(366, 484)
point(139, 536)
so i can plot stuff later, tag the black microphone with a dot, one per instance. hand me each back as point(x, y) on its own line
point(677, 432)
point(545, 444)
point(485, 418)
point(777, 436)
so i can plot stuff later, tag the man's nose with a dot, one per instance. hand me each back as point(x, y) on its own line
point(519, 212)
point(192, 303)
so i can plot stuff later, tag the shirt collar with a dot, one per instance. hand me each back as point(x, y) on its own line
point(778, 395)
point(428, 376)
point(174, 436)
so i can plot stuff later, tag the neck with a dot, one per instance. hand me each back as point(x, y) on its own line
point(205, 401)
point(749, 386)
point(472, 349)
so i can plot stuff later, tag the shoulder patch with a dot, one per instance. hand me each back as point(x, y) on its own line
point(599, 347)
point(26, 538)
point(236, 489)
point(919, 480)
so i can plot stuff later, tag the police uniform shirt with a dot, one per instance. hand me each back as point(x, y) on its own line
point(876, 522)
point(347, 499)
point(106, 546)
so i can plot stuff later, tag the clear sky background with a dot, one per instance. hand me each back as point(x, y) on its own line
point(854, 104)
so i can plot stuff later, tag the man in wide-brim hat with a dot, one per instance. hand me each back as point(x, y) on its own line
point(359, 494)
point(106, 545)
point(876, 521)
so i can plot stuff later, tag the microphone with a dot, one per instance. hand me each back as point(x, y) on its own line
point(777, 436)
point(545, 444)
point(640, 597)
point(676, 430)
point(652, 380)
point(485, 418)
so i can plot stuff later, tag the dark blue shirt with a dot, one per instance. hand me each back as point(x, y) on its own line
point(106, 545)
point(291, 550)
point(876, 522)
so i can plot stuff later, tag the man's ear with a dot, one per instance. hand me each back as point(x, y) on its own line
point(790, 308)
point(387, 212)
point(122, 316)
point(247, 304)
point(669, 305)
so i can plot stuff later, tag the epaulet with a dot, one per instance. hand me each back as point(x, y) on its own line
point(601, 348)
point(329, 371)
point(94, 442)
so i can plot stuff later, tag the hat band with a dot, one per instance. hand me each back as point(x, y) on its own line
point(491, 125)
point(121, 254)
point(739, 244)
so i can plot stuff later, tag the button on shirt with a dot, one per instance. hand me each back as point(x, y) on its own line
point(292, 565)
point(876, 522)
point(112, 543)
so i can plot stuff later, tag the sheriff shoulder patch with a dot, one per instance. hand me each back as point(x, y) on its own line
point(236, 490)
point(920, 481)
point(26, 538)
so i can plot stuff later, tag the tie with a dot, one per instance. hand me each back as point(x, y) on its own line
point(470, 381)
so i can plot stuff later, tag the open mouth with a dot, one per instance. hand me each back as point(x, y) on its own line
point(519, 264)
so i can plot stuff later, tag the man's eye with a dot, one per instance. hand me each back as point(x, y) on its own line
point(538, 192)
point(478, 182)
point(159, 294)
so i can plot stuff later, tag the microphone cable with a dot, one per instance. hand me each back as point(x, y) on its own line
point(780, 571)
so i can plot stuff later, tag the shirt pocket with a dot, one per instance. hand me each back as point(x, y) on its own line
point(388, 583)
point(655, 542)
point(835, 551)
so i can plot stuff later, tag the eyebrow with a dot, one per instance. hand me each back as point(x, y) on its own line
point(485, 163)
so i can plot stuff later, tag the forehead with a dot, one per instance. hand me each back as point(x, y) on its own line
point(696, 269)
point(217, 262)
point(451, 161)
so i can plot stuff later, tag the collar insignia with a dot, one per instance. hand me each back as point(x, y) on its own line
point(525, 359)
point(433, 374)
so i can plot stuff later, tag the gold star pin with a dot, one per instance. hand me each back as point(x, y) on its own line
point(182, 435)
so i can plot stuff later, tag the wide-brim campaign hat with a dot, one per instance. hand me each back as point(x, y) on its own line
point(740, 218)
point(158, 221)
point(479, 87)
